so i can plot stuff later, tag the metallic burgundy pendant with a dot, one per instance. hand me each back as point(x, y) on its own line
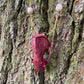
point(40, 44)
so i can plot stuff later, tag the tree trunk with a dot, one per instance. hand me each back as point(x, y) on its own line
point(67, 61)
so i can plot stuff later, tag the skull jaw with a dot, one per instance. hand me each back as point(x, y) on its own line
point(40, 65)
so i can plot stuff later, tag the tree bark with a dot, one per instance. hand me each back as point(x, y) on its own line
point(67, 61)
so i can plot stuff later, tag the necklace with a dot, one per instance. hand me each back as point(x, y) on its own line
point(40, 43)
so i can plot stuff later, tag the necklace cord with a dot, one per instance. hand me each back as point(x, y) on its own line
point(32, 25)
point(53, 30)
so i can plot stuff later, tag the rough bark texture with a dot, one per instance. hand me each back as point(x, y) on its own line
point(67, 61)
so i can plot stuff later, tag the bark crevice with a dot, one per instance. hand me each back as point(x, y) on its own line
point(71, 9)
point(6, 67)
